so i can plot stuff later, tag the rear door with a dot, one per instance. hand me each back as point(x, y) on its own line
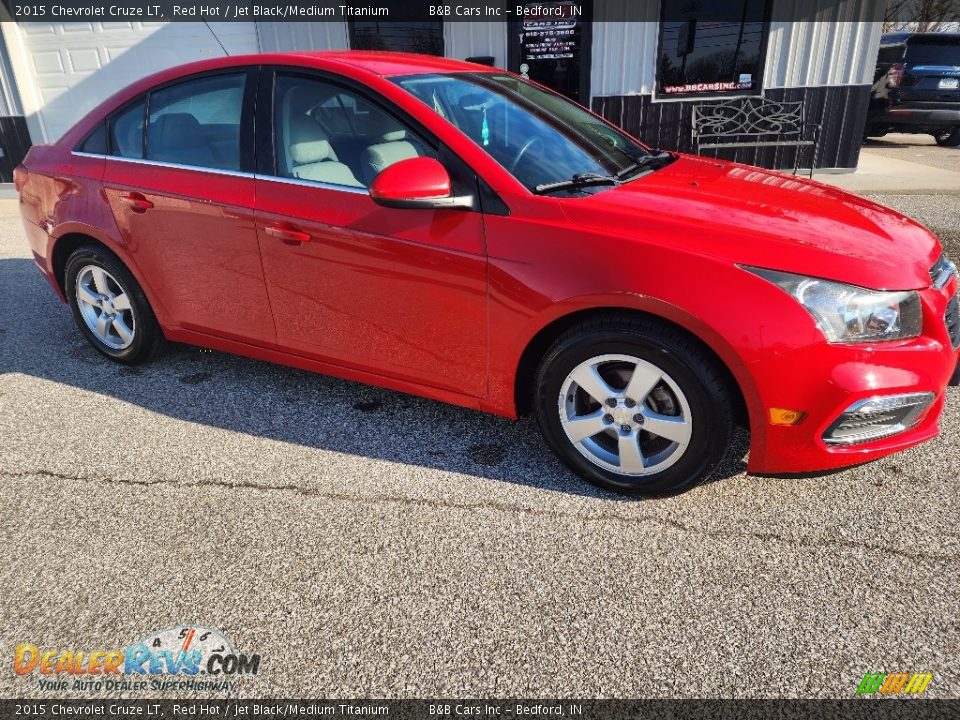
point(395, 292)
point(180, 181)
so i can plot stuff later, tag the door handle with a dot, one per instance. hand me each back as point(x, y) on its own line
point(289, 235)
point(137, 202)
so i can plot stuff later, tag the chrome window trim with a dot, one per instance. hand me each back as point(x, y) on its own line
point(157, 163)
point(314, 184)
point(233, 173)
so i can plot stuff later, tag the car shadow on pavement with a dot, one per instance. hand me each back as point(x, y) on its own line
point(279, 403)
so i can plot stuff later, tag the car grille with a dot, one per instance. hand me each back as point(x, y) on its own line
point(941, 271)
point(952, 320)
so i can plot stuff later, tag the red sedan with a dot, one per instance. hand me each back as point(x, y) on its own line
point(457, 232)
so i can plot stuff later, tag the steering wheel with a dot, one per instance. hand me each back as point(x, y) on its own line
point(523, 151)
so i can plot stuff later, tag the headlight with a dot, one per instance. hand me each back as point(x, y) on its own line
point(847, 313)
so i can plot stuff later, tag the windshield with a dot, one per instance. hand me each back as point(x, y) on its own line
point(542, 139)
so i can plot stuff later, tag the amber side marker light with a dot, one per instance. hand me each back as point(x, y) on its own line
point(782, 416)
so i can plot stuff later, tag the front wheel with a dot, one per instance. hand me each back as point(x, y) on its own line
point(634, 406)
point(948, 137)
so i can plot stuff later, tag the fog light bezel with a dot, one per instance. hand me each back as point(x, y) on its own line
point(915, 404)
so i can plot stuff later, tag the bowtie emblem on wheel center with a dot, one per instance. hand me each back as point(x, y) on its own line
point(622, 415)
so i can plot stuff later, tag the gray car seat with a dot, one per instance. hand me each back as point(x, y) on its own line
point(307, 152)
point(316, 160)
point(179, 138)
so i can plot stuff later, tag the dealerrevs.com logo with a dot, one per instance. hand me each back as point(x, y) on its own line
point(183, 658)
point(894, 683)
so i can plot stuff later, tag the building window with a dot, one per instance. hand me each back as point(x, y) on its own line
point(425, 37)
point(404, 32)
point(705, 49)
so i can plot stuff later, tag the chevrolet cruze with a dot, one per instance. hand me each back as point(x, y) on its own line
point(455, 231)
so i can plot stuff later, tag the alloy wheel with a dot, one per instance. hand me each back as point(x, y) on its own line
point(625, 415)
point(105, 307)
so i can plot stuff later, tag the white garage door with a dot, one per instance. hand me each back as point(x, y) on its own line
point(66, 69)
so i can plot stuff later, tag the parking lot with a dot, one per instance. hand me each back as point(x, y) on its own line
point(914, 147)
point(368, 543)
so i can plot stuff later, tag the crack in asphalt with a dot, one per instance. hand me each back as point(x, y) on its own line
point(805, 542)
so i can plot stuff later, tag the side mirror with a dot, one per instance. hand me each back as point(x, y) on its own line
point(419, 182)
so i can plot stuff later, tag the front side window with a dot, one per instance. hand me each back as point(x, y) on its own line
point(702, 52)
point(327, 134)
point(197, 122)
point(539, 137)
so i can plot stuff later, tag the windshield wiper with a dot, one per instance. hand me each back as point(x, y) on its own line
point(657, 156)
point(591, 178)
point(579, 180)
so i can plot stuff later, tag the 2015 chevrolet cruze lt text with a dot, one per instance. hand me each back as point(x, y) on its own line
point(457, 232)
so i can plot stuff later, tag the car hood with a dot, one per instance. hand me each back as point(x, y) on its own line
point(763, 218)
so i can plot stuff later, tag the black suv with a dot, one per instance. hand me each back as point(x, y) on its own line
point(916, 87)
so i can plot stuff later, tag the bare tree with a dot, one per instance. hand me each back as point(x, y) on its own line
point(921, 15)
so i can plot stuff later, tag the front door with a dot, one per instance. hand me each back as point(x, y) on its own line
point(394, 292)
point(183, 201)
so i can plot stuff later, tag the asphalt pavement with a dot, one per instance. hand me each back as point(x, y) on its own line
point(368, 543)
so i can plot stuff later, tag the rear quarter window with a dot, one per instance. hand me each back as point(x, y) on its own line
point(96, 142)
point(126, 131)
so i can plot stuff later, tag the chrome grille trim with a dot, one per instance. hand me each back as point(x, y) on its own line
point(951, 318)
point(941, 271)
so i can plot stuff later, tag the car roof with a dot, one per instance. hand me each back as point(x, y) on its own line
point(395, 63)
point(385, 64)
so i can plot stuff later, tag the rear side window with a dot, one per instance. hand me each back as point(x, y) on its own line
point(197, 122)
point(126, 131)
point(933, 51)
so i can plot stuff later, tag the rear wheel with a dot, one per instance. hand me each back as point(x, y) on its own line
point(634, 406)
point(109, 306)
point(948, 137)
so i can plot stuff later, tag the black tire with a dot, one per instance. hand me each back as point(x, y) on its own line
point(147, 337)
point(948, 137)
point(692, 369)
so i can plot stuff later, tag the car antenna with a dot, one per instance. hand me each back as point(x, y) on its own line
point(216, 38)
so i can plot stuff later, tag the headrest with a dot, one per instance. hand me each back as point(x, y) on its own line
point(395, 135)
point(384, 128)
point(311, 151)
point(177, 129)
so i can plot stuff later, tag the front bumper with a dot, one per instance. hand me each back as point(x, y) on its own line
point(823, 381)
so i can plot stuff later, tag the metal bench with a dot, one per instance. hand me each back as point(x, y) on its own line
point(755, 122)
